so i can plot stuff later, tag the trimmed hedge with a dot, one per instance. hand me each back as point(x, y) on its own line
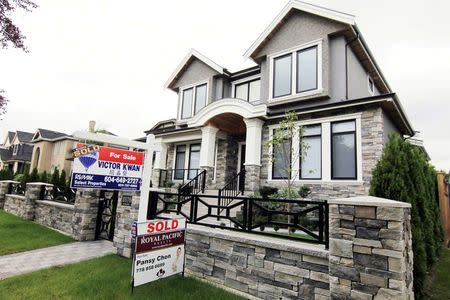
point(404, 174)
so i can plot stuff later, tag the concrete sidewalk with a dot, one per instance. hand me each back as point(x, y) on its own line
point(29, 261)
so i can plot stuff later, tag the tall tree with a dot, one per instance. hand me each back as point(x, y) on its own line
point(10, 34)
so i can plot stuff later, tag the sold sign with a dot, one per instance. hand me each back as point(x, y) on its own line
point(160, 226)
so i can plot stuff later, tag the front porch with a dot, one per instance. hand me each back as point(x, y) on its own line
point(223, 140)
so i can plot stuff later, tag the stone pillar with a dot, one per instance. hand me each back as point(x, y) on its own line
point(126, 214)
point(253, 147)
point(4, 186)
point(85, 214)
point(207, 149)
point(32, 193)
point(160, 161)
point(370, 249)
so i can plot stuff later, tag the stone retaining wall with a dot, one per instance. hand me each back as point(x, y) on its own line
point(125, 216)
point(261, 267)
point(19, 206)
point(55, 215)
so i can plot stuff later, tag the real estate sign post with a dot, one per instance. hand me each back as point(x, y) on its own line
point(159, 250)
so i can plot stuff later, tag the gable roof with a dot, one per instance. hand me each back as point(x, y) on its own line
point(24, 137)
point(303, 6)
point(185, 63)
point(49, 135)
point(11, 135)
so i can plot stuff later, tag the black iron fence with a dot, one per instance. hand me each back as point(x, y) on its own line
point(168, 177)
point(52, 193)
point(16, 188)
point(291, 219)
point(232, 189)
point(194, 186)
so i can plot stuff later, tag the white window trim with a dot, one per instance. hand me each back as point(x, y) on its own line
point(326, 150)
point(368, 85)
point(243, 80)
point(186, 159)
point(194, 92)
point(293, 51)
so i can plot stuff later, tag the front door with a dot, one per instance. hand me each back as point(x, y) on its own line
point(106, 217)
point(241, 166)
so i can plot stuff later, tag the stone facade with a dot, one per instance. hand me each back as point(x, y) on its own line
point(125, 216)
point(370, 249)
point(55, 215)
point(4, 186)
point(259, 267)
point(252, 177)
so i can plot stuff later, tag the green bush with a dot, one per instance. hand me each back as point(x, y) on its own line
point(6, 174)
point(34, 176)
point(55, 177)
point(266, 191)
point(44, 177)
point(403, 174)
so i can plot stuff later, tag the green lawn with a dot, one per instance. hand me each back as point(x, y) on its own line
point(439, 285)
point(17, 235)
point(104, 278)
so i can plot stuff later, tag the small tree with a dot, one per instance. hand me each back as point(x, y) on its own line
point(44, 177)
point(34, 176)
point(62, 180)
point(55, 178)
point(280, 151)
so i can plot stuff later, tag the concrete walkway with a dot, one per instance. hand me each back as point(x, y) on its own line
point(29, 261)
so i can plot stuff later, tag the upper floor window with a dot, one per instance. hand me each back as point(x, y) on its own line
point(193, 99)
point(296, 72)
point(15, 149)
point(371, 86)
point(248, 91)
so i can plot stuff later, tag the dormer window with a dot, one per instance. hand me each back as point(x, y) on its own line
point(296, 72)
point(193, 99)
point(247, 89)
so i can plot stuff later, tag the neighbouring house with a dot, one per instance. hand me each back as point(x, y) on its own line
point(15, 152)
point(310, 60)
point(52, 150)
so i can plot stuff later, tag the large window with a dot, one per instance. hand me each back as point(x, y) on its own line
point(180, 160)
point(248, 91)
point(186, 111)
point(282, 76)
point(200, 97)
point(311, 154)
point(307, 69)
point(296, 72)
point(194, 160)
point(343, 150)
point(193, 99)
point(282, 160)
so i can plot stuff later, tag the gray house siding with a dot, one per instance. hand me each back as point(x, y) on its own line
point(388, 128)
point(300, 28)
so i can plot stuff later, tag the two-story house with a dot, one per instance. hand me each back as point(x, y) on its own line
point(15, 153)
point(310, 60)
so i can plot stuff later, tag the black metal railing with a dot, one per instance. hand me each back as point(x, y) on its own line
point(194, 186)
point(231, 190)
point(167, 177)
point(53, 193)
point(17, 188)
point(300, 220)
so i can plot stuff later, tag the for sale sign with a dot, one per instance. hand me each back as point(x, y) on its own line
point(159, 250)
point(106, 168)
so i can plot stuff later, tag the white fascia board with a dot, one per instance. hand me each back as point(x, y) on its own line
point(109, 139)
point(302, 6)
point(199, 56)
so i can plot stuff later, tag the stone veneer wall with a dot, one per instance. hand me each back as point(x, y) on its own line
point(85, 214)
point(125, 216)
point(263, 268)
point(23, 206)
point(4, 185)
point(370, 249)
point(55, 215)
point(372, 147)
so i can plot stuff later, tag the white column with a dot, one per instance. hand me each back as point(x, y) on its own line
point(253, 141)
point(208, 144)
point(146, 176)
point(160, 154)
